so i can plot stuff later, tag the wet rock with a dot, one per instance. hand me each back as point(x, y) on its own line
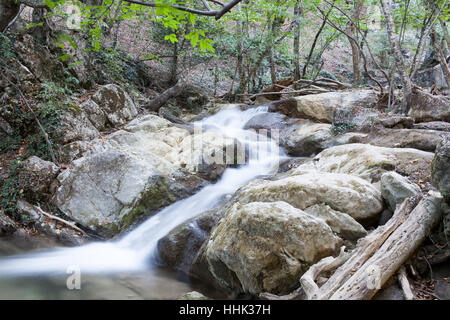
point(115, 103)
point(370, 162)
point(180, 246)
point(342, 192)
point(440, 168)
point(266, 247)
point(396, 188)
point(267, 121)
point(321, 107)
point(305, 138)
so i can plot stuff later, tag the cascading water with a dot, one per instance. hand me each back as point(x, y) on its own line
point(135, 252)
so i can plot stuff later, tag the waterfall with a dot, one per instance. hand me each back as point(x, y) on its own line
point(136, 250)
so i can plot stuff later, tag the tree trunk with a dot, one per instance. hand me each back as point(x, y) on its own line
point(297, 40)
point(8, 11)
point(440, 55)
point(446, 36)
point(386, 7)
point(240, 57)
point(174, 65)
point(351, 29)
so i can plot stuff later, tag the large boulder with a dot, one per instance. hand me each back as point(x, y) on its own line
point(370, 162)
point(396, 188)
point(266, 247)
point(342, 192)
point(441, 169)
point(107, 191)
point(321, 107)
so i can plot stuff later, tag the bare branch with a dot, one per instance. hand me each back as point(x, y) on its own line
point(211, 13)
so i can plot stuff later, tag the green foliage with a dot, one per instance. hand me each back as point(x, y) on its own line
point(10, 187)
point(338, 129)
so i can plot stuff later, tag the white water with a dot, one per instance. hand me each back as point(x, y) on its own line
point(135, 252)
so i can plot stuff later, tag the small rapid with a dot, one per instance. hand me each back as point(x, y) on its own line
point(136, 250)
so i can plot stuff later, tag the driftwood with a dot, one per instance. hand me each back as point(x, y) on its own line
point(308, 280)
point(295, 92)
point(70, 224)
point(376, 258)
point(36, 211)
point(160, 100)
point(380, 255)
point(326, 82)
point(404, 283)
point(326, 264)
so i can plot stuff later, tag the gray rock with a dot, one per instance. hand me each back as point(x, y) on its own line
point(95, 114)
point(304, 138)
point(342, 192)
point(370, 162)
point(75, 126)
point(266, 247)
point(340, 222)
point(39, 174)
point(321, 107)
point(433, 125)
point(108, 191)
point(425, 140)
point(7, 225)
point(268, 121)
point(440, 169)
point(396, 188)
point(427, 107)
point(193, 295)
point(115, 103)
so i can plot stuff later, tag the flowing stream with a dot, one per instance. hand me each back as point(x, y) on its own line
point(135, 254)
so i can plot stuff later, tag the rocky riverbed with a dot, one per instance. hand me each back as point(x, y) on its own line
point(348, 167)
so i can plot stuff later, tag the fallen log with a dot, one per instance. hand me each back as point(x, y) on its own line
point(380, 255)
point(404, 283)
point(160, 100)
point(295, 92)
